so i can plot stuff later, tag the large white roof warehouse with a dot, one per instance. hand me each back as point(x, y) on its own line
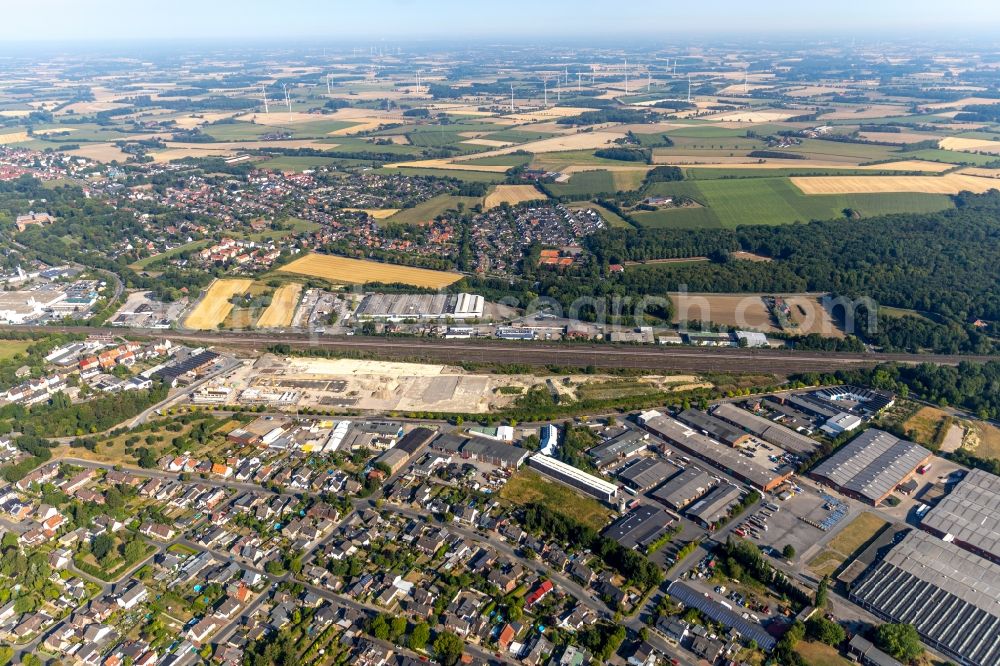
point(398, 307)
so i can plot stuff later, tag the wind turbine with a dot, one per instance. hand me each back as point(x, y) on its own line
point(626, 77)
point(512, 98)
point(579, 81)
point(689, 88)
point(649, 79)
point(566, 74)
point(328, 92)
point(288, 102)
point(263, 92)
point(545, 85)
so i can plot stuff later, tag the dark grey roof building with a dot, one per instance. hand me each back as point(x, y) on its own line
point(969, 515)
point(950, 595)
point(640, 527)
point(871, 466)
point(684, 488)
point(647, 473)
point(769, 431)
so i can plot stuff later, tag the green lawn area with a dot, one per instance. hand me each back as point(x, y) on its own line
point(430, 209)
point(528, 486)
point(11, 348)
point(856, 534)
point(735, 202)
point(820, 654)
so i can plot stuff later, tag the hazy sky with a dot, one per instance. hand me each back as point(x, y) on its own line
point(423, 19)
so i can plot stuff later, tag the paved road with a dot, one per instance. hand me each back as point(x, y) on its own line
point(661, 357)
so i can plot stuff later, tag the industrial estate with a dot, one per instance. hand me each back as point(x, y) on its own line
point(391, 352)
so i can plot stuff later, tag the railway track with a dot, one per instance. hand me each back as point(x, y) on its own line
point(694, 359)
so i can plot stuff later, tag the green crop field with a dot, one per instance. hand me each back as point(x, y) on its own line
point(430, 209)
point(518, 136)
point(585, 183)
point(837, 151)
point(735, 202)
point(952, 156)
point(715, 173)
point(238, 131)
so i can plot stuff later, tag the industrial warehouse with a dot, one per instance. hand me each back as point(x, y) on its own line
point(402, 307)
point(766, 429)
point(871, 466)
point(571, 476)
point(970, 515)
point(950, 595)
point(726, 458)
point(640, 527)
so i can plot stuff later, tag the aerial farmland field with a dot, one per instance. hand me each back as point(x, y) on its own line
point(512, 194)
point(214, 306)
point(279, 312)
point(344, 270)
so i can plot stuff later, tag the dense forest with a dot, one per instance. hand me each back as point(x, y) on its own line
point(971, 386)
point(944, 264)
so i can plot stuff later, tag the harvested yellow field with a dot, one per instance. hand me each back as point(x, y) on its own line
point(898, 137)
point(377, 213)
point(863, 112)
point(552, 113)
point(14, 137)
point(14, 113)
point(447, 164)
point(512, 194)
point(280, 117)
point(982, 172)
point(748, 311)
point(754, 116)
point(279, 312)
point(962, 103)
point(171, 154)
point(363, 271)
point(951, 183)
point(812, 91)
point(489, 143)
point(83, 108)
point(214, 306)
point(100, 152)
point(556, 144)
point(910, 165)
point(191, 121)
point(969, 145)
